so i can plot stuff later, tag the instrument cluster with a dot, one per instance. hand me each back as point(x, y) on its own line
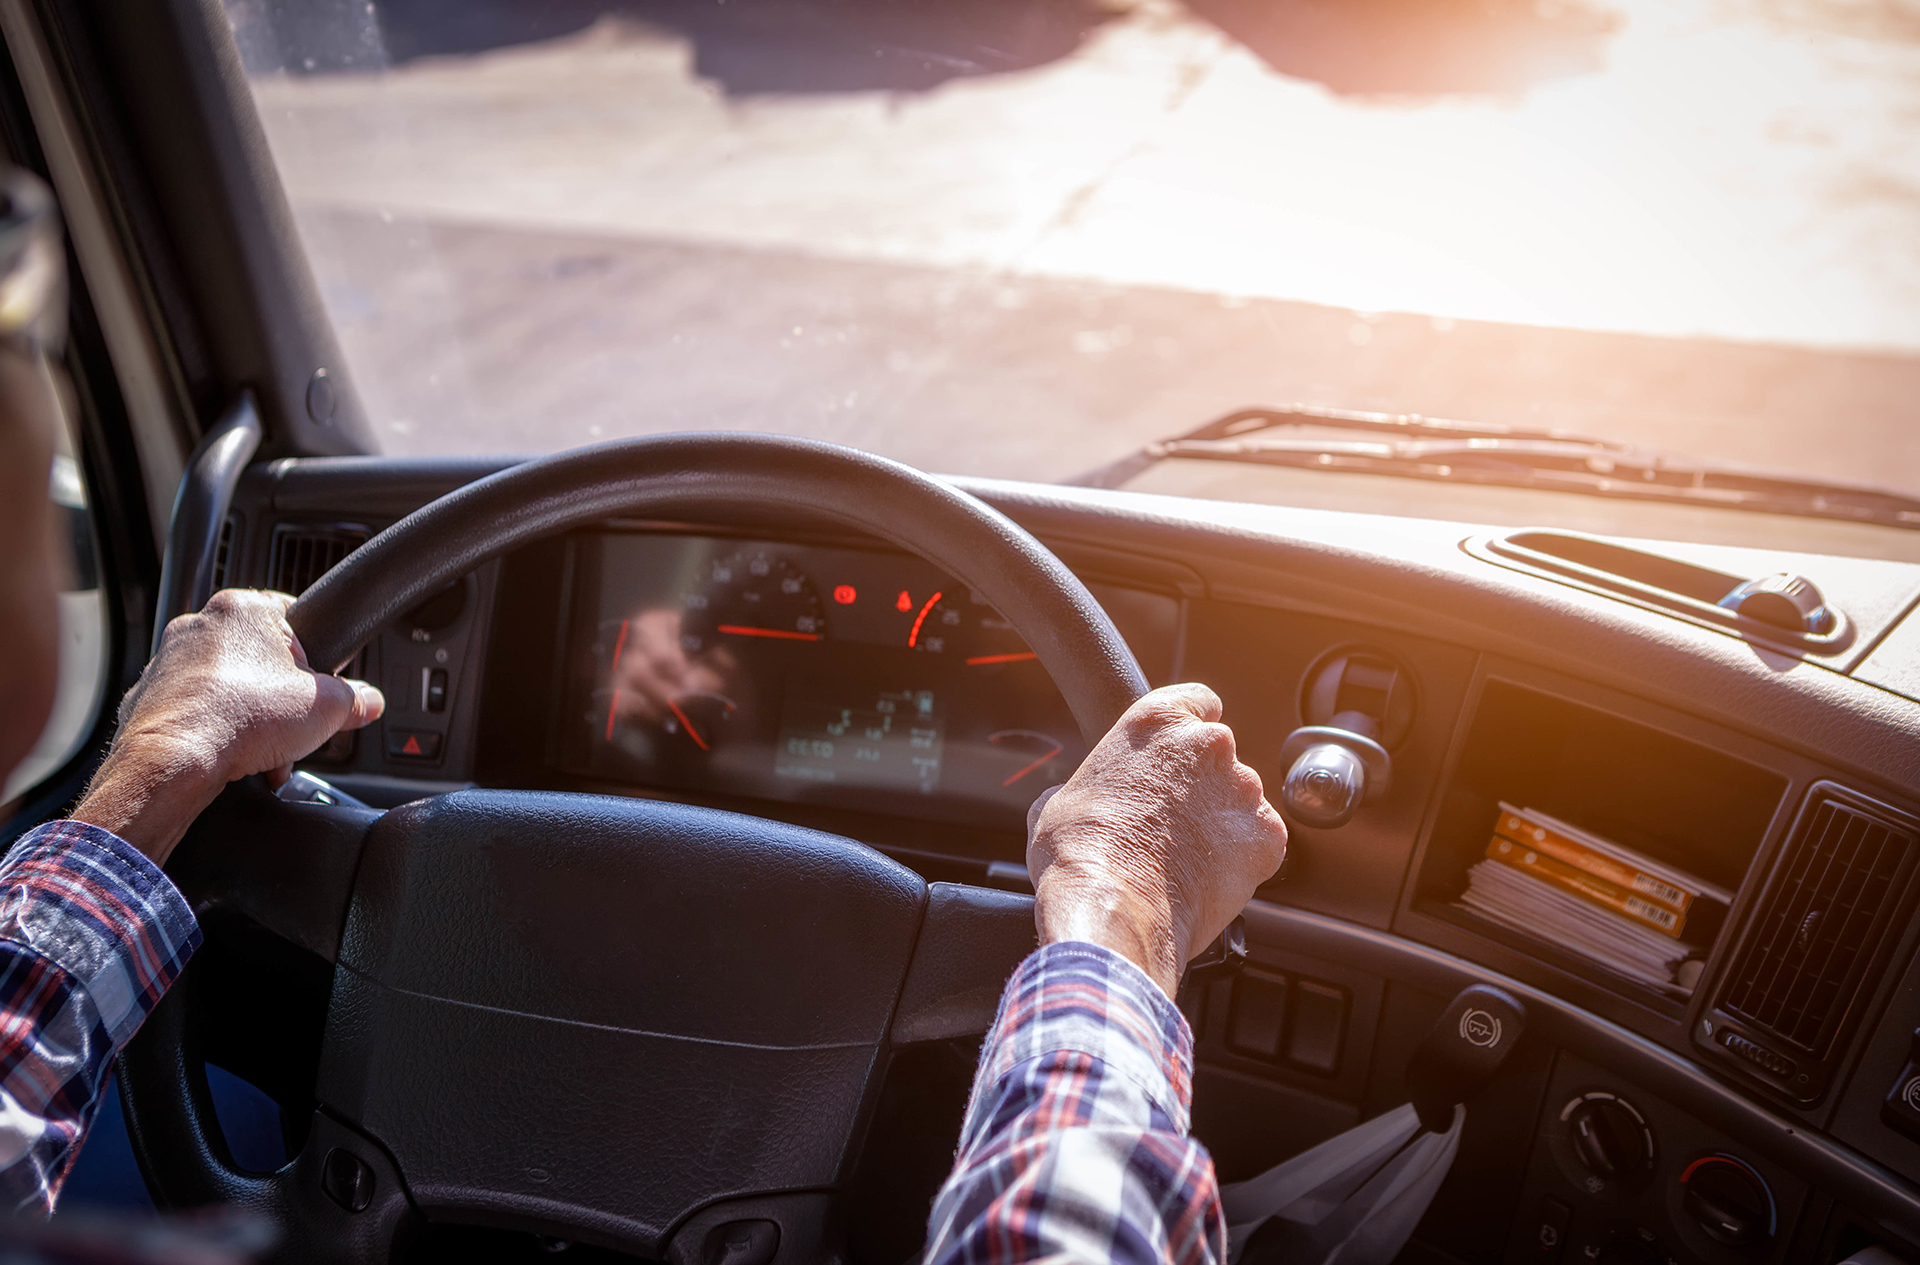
point(804, 673)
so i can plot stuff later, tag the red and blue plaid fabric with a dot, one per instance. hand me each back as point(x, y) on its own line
point(91, 936)
point(1075, 1145)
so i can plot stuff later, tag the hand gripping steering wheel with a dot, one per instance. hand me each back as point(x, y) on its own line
point(630, 1022)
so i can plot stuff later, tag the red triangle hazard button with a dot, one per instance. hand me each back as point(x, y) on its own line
point(413, 745)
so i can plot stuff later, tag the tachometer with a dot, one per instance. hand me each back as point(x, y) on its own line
point(959, 624)
point(752, 594)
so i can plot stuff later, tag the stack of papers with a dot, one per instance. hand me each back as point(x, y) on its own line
point(1594, 898)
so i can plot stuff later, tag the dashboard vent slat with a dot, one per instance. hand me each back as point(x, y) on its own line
point(1820, 925)
point(301, 555)
point(223, 555)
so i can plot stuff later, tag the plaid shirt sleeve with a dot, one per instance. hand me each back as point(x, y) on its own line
point(91, 936)
point(1075, 1143)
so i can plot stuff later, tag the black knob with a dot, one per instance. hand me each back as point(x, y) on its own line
point(1611, 1139)
point(1728, 1201)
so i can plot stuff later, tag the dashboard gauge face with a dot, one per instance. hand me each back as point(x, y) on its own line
point(702, 719)
point(751, 595)
point(1031, 758)
point(960, 625)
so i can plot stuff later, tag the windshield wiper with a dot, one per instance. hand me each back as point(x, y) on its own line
point(1414, 447)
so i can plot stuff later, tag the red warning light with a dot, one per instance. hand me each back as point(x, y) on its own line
point(844, 594)
point(903, 602)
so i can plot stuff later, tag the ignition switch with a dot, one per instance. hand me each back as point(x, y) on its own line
point(1357, 704)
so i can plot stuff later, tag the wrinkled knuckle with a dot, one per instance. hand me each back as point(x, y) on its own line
point(223, 603)
point(1248, 780)
point(1214, 738)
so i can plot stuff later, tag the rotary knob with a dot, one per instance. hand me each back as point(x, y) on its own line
point(1610, 1140)
point(1728, 1201)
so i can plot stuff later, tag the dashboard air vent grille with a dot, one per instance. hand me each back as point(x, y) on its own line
point(223, 555)
point(303, 554)
point(1820, 925)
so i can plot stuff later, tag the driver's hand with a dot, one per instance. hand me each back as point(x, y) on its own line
point(1158, 840)
point(230, 694)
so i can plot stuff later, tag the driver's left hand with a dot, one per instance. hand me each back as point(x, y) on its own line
point(230, 694)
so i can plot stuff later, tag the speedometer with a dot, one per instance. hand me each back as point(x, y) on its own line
point(749, 595)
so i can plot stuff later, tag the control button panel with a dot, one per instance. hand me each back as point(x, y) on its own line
point(1642, 1181)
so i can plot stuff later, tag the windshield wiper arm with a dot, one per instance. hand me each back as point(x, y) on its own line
point(1415, 447)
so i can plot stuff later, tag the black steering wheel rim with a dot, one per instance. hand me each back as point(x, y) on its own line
point(163, 1085)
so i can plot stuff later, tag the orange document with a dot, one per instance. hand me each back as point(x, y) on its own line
point(1611, 870)
point(1588, 887)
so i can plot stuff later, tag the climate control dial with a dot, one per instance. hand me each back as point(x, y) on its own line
point(1730, 1203)
point(1604, 1143)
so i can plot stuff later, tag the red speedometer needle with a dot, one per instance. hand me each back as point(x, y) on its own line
point(687, 725)
point(1022, 657)
point(913, 638)
point(613, 676)
point(747, 630)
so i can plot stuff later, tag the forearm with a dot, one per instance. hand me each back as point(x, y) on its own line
point(91, 936)
point(1075, 1144)
point(148, 792)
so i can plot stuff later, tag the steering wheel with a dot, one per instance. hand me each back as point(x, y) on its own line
point(647, 1025)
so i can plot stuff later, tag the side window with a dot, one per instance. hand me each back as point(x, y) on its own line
point(83, 630)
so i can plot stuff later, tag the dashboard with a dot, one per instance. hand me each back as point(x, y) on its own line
point(791, 670)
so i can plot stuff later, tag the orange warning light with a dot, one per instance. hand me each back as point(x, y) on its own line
point(903, 602)
point(844, 594)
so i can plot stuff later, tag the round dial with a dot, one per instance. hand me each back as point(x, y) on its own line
point(1606, 1144)
point(957, 623)
point(1729, 1202)
point(751, 595)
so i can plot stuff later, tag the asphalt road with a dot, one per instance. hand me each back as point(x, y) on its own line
point(1689, 223)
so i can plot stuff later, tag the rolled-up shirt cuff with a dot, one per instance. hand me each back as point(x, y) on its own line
point(100, 910)
point(1087, 998)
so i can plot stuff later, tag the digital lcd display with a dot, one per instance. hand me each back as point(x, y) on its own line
point(890, 741)
point(811, 673)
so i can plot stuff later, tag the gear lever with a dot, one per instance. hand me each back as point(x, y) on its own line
point(1356, 705)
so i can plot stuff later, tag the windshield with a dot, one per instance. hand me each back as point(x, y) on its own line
point(1023, 238)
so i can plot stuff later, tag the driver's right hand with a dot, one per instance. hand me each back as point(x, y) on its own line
point(1158, 840)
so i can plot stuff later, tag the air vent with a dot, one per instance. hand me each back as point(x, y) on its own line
point(223, 555)
point(303, 554)
point(1785, 1006)
point(1781, 608)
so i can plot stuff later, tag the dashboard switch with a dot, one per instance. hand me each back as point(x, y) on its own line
point(413, 744)
point(1549, 1237)
point(1319, 1021)
point(434, 694)
point(1259, 1012)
